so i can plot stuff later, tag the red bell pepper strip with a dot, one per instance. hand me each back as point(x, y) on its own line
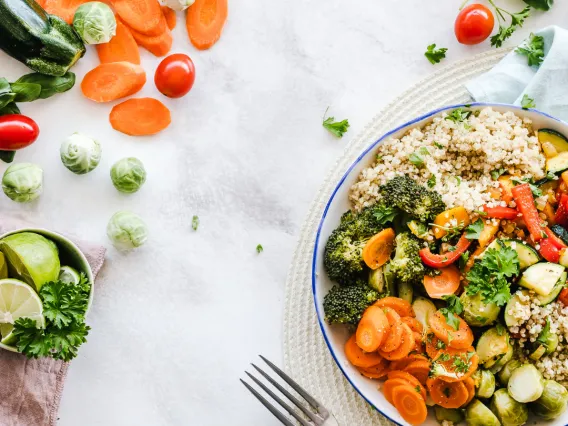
point(501, 212)
point(525, 204)
point(443, 260)
point(561, 216)
point(548, 250)
point(564, 296)
point(556, 242)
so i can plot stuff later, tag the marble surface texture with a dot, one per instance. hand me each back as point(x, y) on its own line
point(176, 322)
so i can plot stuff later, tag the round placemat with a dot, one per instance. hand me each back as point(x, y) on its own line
point(306, 355)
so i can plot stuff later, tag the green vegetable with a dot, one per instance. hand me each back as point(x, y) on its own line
point(449, 414)
point(527, 102)
point(23, 182)
point(517, 20)
point(418, 229)
point(80, 153)
point(435, 55)
point(417, 157)
point(195, 222)
point(338, 128)
point(553, 401)
point(50, 85)
point(547, 339)
point(405, 291)
point(406, 264)
point(478, 313)
point(458, 115)
point(346, 304)
point(492, 346)
point(505, 374)
point(533, 49)
point(259, 248)
point(43, 42)
point(6, 95)
point(526, 384)
point(484, 383)
point(127, 230)
point(128, 174)
point(508, 411)
point(423, 308)
point(95, 22)
point(473, 231)
point(377, 279)
point(540, 4)
point(452, 311)
point(69, 275)
point(477, 414)
point(542, 277)
point(25, 92)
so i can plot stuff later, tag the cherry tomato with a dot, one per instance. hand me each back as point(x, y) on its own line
point(175, 75)
point(474, 24)
point(17, 131)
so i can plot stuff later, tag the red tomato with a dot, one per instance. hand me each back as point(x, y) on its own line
point(474, 24)
point(175, 75)
point(17, 131)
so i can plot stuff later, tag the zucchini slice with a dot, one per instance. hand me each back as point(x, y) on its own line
point(561, 232)
point(551, 297)
point(527, 255)
point(542, 277)
point(514, 306)
point(557, 164)
point(558, 140)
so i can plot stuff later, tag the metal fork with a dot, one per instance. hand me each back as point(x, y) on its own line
point(321, 417)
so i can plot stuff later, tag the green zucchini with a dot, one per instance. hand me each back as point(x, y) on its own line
point(557, 164)
point(560, 232)
point(43, 42)
point(558, 140)
point(542, 277)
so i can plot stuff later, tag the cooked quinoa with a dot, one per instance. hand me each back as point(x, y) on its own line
point(459, 159)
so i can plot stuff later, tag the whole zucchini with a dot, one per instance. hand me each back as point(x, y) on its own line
point(43, 42)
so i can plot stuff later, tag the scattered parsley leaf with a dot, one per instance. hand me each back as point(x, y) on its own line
point(495, 174)
point(480, 213)
point(431, 182)
point(463, 260)
point(536, 191)
point(482, 320)
point(527, 102)
point(458, 179)
point(259, 248)
point(63, 303)
point(444, 357)
point(385, 214)
point(540, 4)
point(503, 34)
point(338, 128)
point(418, 389)
point(438, 145)
point(458, 115)
point(533, 49)
point(435, 55)
point(440, 344)
point(460, 365)
point(544, 334)
point(195, 222)
point(417, 157)
point(453, 309)
point(473, 231)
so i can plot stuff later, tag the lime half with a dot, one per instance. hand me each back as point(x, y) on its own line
point(69, 275)
point(17, 300)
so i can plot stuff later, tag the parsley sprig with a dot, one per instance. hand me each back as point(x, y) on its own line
point(435, 55)
point(473, 231)
point(527, 102)
point(452, 311)
point(517, 20)
point(337, 128)
point(533, 49)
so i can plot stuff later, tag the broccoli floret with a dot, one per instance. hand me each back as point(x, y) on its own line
point(414, 199)
point(345, 305)
point(406, 264)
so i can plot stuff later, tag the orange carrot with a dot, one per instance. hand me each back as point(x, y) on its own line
point(378, 249)
point(404, 362)
point(170, 16)
point(418, 343)
point(410, 404)
point(204, 22)
point(122, 47)
point(413, 323)
point(143, 16)
point(412, 381)
point(459, 339)
point(406, 345)
point(444, 284)
point(377, 371)
point(433, 345)
point(402, 307)
point(158, 45)
point(458, 363)
point(419, 369)
point(359, 358)
point(112, 81)
point(390, 385)
point(372, 329)
point(393, 337)
point(447, 395)
point(470, 386)
point(65, 9)
point(140, 117)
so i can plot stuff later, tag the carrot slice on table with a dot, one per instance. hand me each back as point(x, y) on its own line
point(377, 371)
point(65, 9)
point(447, 395)
point(405, 347)
point(410, 404)
point(378, 249)
point(393, 337)
point(112, 81)
point(412, 381)
point(457, 363)
point(402, 307)
point(404, 362)
point(170, 15)
point(413, 323)
point(122, 47)
point(444, 284)
point(372, 329)
point(158, 45)
point(143, 16)
point(204, 22)
point(460, 339)
point(390, 385)
point(419, 369)
point(140, 117)
point(470, 386)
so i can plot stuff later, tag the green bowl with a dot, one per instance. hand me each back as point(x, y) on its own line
point(69, 254)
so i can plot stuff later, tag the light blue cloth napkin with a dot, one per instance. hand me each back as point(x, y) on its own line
point(512, 78)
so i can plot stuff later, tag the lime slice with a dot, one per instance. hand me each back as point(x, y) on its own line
point(17, 300)
point(69, 275)
point(31, 258)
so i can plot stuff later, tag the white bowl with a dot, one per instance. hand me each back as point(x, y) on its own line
point(336, 336)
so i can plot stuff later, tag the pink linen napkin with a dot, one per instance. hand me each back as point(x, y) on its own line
point(30, 389)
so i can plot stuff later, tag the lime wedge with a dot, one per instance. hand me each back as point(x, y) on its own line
point(3, 267)
point(31, 258)
point(17, 300)
point(69, 275)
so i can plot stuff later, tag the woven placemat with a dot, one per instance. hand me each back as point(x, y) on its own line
point(306, 355)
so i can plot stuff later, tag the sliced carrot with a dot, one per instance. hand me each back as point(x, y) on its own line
point(377, 371)
point(379, 248)
point(443, 284)
point(418, 343)
point(459, 339)
point(205, 21)
point(413, 323)
point(390, 385)
point(359, 358)
point(65, 9)
point(112, 81)
point(403, 363)
point(433, 345)
point(170, 15)
point(394, 336)
point(412, 381)
point(406, 346)
point(140, 117)
point(470, 386)
point(455, 362)
point(410, 404)
point(372, 329)
point(158, 45)
point(143, 16)
point(419, 369)
point(401, 306)
point(447, 395)
point(122, 47)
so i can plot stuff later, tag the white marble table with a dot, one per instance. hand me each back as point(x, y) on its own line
point(176, 322)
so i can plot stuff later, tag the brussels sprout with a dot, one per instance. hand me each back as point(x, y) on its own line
point(127, 230)
point(128, 174)
point(553, 401)
point(477, 414)
point(493, 345)
point(178, 5)
point(424, 309)
point(377, 279)
point(505, 374)
point(508, 411)
point(23, 182)
point(498, 366)
point(80, 153)
point(453, 415)
point(526, 384)
point(484, 383)
point(477, 313)
point(95, 22)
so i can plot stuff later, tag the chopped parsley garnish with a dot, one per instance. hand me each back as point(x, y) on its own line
point(495, 174)
point(435, 55)
point(462, 366)
point(533, 49)
point(438, 145)
point(544, 334)
point(453, 309)
point(418, 389)
point(527, 102)
point(440, 344)
point(338, 128)
point(463, 260)
point(482, 320)
point(458, 115)
point(417, 157)
point(259, 248)
point(473, 231)
point(431, 182)
point(195, 222)
point(385, 214)
point(444, 357)
point(500, 329)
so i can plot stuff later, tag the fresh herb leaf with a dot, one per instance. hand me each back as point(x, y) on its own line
point(480, 213)
point(460, 365)
point(418, 389)
point(195, 222)
point(544, 334)
point(533, 49)
point(500, 329)
point(536, 191)
point(50, 85)
point(26, 92)
point(435, 55)
point(458, 115)
point(527, 102)
point(385, 214)
point(463, 260)
point(473, 231)
point(338, 128)
point(438, 145)
point(440, 344)
point(431, 182)
point(482, 320)
point(517, 20)
point(495, 174)
point(453, 309)
point(540, 4)
point(459, 181)
point(259, 248)
point(63, 303)
point(503, 34)
point(417, 157)
point(444, 357)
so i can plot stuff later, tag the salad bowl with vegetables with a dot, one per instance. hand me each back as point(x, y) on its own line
point(440, 269)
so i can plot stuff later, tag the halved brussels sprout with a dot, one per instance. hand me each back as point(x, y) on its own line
point(453, 415)
point(526, 384)
point(553, 401)
point(377, 279)
point(128, 174)
point(95, 22)
point(477, 414)
point(423, 308)
point(80, 153)
point(127, 230)
point(484, 383)
point(478, 313)
point(492, 346)
point(498, 366)
point(23, 182)
point(508, 411)
point(505, 374)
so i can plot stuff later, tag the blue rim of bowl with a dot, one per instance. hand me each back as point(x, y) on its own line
point(340, 184)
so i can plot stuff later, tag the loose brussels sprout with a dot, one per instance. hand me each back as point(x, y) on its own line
point(508, 411)
point(493, 345)
point(477, 414)
point(484, 383)
point(477, 313)
point(526, 384)
point(23, 182)
point(553, 401)
point(80, 153)
point(505, 374)
point(95, 22)
point(128, 174)
point(127, 230)
point(453, 415)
